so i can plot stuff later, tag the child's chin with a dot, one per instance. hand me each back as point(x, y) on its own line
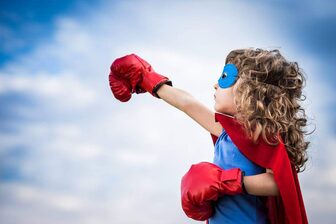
point(218, 110)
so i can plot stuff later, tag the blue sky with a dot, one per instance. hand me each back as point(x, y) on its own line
point(25, 23)
point(69, 151)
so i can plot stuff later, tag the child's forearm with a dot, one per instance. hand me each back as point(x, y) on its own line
point(261, 185)
point(192, 107)
point(175, 97)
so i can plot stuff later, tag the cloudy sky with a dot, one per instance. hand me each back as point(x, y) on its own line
point(71, 153)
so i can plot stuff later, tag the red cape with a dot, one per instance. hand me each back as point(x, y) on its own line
point(288, 207)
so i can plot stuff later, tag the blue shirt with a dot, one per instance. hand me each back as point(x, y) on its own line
point(242, 208)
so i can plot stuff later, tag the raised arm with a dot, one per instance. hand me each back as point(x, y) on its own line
point(131, 74)
point(193, 108)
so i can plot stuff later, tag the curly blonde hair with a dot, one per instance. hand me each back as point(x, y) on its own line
point(267, 96)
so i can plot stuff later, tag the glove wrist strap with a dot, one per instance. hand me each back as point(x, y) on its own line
point(157, 87)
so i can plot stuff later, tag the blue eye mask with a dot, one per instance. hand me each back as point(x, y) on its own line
point(229, 76)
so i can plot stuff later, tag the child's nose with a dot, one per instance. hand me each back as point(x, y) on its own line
point(216, 86)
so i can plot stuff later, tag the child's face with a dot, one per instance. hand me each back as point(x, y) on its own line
point(224, 100)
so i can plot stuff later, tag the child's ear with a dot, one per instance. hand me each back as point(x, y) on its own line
point(235, 86)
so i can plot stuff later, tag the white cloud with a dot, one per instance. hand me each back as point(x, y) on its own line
point(33, 195)
point(65, 89)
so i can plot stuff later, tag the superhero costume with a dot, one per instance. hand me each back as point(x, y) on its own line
point(238, 208)
point(289, 206)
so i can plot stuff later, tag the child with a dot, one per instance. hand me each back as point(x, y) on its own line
point(256, 129)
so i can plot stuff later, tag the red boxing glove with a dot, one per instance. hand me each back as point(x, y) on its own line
point(203, 184)
point(131, 74)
